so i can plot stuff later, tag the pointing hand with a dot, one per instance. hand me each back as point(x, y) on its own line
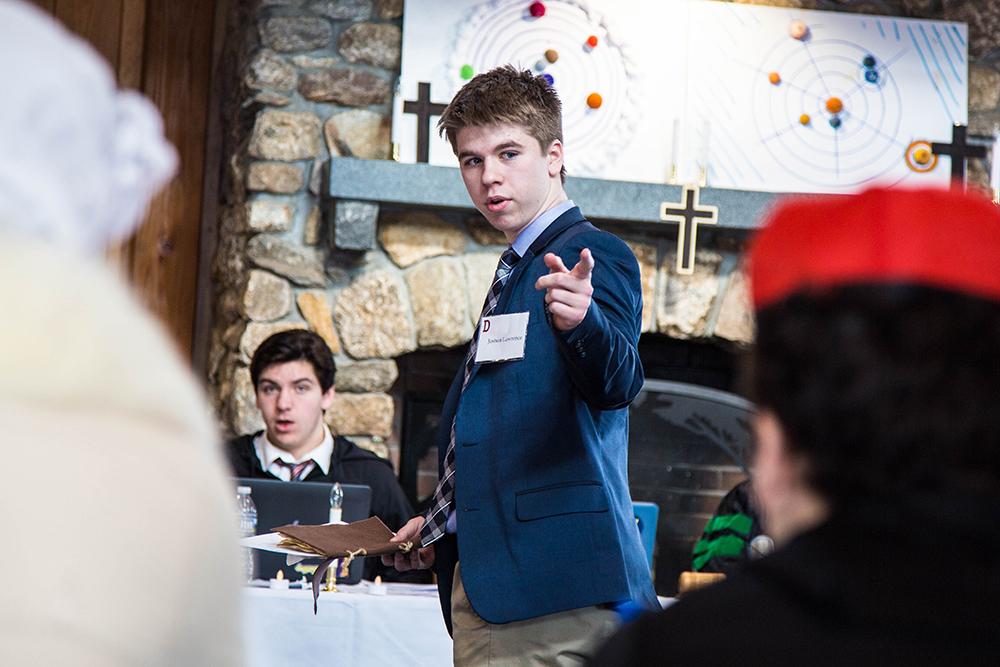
point(567, 291)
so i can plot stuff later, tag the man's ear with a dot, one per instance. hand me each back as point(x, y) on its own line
point(554, 155)
point(770, 453)
point(327, 400)
point(788, 505)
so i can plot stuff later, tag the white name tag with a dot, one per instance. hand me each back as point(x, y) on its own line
point(501, 337)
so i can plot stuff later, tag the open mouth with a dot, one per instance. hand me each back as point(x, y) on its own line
point(495, 204)
point(284, 424)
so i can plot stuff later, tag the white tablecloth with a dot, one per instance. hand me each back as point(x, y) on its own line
point(352, 628)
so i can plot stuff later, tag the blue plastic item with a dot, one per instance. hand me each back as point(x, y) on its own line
point(646, 516)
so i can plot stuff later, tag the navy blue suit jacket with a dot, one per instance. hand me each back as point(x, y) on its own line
point(545, 520)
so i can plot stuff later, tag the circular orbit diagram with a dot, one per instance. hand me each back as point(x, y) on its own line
point(853, 103)
point(500, 32)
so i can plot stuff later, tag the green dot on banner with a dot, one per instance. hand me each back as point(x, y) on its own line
point(466, 72)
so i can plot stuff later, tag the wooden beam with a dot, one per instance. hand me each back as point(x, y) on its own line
point(97, 22)
point(176, 77)
point(132, 31)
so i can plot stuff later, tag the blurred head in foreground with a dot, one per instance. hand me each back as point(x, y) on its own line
point(877, 352)
point(878, 445)
point(122, 538)
point(79, 158)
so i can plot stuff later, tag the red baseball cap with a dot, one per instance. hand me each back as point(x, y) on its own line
point(933, 237)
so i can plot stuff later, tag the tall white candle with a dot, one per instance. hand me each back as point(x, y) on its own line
point(675, 143)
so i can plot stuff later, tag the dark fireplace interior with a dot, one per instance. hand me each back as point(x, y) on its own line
point(688, 443)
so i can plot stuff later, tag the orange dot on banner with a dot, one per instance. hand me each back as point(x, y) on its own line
point(594, 100)
point(804, 119)
point(834, 105)
point(922, 156)
point(551, 55)
point(592, 41)
point(774, 78)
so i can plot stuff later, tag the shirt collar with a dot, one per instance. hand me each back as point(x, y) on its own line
point(535, 228)
point(268, 453)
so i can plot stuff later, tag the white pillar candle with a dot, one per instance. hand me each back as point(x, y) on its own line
point(377, 587)
point(279, 583)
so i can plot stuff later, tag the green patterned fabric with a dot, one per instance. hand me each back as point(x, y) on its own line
point(724, 546)
point(738, 523)
point(724, 543)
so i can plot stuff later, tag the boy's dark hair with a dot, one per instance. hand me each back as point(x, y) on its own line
point(884, 389)
point(295, 345)
point(506, 95)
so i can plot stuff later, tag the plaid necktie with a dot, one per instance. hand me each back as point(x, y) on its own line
point(444, 495)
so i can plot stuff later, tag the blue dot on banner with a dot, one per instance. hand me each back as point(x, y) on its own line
point(835, 122)
point(869, 61)
point(871, 76)
point(548, 78)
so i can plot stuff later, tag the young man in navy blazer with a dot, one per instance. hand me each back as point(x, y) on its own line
point(532, 533)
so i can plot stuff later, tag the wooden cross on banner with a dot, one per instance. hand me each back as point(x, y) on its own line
point(688, 213)
point(424, 109)
point(959, 151)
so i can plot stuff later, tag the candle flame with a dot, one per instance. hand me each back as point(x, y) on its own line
point(378, 580)
point(280, 575)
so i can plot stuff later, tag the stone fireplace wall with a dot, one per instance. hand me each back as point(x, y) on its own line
point(307, 80)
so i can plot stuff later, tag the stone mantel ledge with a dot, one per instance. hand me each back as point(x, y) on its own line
point(429, 186)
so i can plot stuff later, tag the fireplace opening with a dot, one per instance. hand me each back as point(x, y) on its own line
point(689, 437)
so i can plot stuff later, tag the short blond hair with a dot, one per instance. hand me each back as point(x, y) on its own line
point(509, 96)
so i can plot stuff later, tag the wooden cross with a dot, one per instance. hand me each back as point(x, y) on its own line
point(424, 109)
point(959, 151)
point(688, 213)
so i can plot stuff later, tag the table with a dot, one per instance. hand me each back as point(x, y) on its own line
point(352, 628)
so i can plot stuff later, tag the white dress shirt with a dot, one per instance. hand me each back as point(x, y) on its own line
point(270, 454)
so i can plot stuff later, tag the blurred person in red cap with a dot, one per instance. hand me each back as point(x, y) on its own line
point(876, 369)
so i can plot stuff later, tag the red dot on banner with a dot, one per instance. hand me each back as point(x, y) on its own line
point(592, 41)
point(537, 9)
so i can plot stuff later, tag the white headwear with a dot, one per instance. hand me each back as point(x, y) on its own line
point(79, 159)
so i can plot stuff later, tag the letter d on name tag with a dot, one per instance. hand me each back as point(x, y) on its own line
point(501, 337)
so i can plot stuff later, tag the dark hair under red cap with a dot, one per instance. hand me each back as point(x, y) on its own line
point(931, 237)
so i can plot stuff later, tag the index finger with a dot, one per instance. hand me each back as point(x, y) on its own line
point(555, 263)
point(585, 266)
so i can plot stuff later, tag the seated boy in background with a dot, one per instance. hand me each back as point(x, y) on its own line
point(293, 373)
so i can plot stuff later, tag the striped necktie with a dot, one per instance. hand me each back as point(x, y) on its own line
point(444, 495)
point(295, 469)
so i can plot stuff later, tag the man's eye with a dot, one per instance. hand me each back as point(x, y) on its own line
point(302, 388)
point(472, 162)
point(508, 155)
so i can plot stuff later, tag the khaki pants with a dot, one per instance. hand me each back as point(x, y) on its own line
point(566, 638)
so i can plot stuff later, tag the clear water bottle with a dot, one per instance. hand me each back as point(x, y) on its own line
point(248, 526)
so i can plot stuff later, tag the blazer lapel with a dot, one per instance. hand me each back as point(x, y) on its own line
point(558, 226)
